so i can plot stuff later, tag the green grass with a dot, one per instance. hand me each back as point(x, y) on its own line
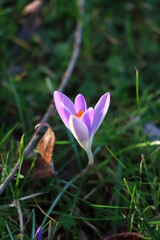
point(122, 190)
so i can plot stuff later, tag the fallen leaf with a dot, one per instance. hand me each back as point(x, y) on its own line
point(28, 26)
point(42, 169)
point(45, 148)
point(32, 7)
point(125, 236)
point(46, 144)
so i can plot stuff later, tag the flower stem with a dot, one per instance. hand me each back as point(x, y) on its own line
point(90, 157)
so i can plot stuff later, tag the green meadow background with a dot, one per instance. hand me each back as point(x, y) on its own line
point(121, 192)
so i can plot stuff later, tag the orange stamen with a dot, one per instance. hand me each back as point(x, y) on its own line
point(79, 115)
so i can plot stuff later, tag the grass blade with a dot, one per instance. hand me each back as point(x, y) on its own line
point(9, 231)
point(20, 164)
point(18, 102)
point(4, 139)
point(57, 199)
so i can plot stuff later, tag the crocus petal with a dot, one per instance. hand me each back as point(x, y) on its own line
point(100, 110)
point(63, 109)
point(61, 98)
point(80, 103)
point(88, 119)
point(38, 235)
point(79, 131)
point(64, 114)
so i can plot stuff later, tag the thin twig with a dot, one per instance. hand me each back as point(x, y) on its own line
point(52, 219)
point(51, 108)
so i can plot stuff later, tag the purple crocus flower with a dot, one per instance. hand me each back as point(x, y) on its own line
point(38, 235)
point(81, 121)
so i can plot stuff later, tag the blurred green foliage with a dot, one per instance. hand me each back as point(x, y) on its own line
point(35, 51)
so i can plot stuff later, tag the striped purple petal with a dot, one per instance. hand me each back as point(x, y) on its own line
point(80, 103)
point(100, 110)
point(79, 131)
point(88, 119)
point(64, 106)
point(61, 98)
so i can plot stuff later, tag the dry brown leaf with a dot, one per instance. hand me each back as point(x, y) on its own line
point(42, 169)
point(125, 236)
point(44, 166)
point(45, 148)
point(46, 144)
point(32, 7)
